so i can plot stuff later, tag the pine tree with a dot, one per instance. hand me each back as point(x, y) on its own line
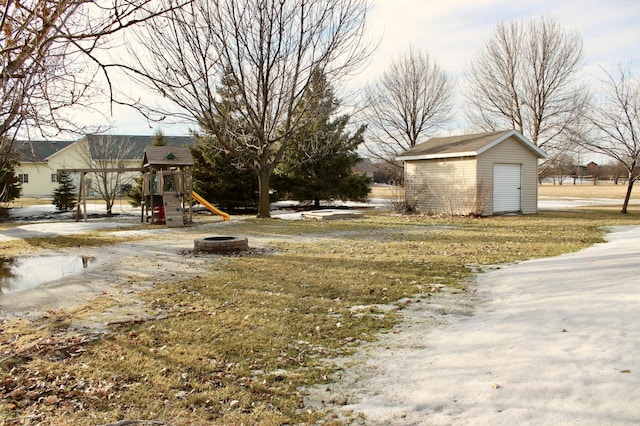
point(327, 175)
point(64, 196)
point(10, 188)
point(318, 161)
point(158, 138)
point(134, 194)
point(222, 182)
point(219, 177)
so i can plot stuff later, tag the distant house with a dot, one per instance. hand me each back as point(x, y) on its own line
point(483, 174)
point(36, 171)
point(39, 161)
point(364, 167)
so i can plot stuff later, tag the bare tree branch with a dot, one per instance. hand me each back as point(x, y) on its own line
point(526, 78)
point(49, 58)
point(616, 124)
point(411, 99)
point(104, 152)
point(269, 49)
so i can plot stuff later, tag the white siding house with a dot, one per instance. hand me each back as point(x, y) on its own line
point(39, 161)
point(478, 174)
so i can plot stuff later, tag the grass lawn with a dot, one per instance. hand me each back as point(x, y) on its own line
point(238, 344)
point(602, 190)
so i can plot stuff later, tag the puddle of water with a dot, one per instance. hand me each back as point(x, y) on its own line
point(23, 273)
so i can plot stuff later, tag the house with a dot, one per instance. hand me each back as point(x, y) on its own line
point(364, 167)
point(36, 175)
point(477, 174)
point(39, 161)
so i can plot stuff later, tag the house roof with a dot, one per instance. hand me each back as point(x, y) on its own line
point(465, 146)
point(39, 151)
point(167, 156)
point(127, 147)
point(364, 166)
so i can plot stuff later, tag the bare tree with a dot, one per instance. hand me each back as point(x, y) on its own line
point(558, 168)
point(616, 123)
point(49, 54)
point(103, 156)
point(615, 171)
point(526, 78)
point(411, 99)
point(268, 50)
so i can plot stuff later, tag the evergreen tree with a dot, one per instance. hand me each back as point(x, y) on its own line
point(217, 175)
point(318, 161)
point(223, 182)
point(64, 196)
point(134, 194)
point(9, 186)
point(327, 175)
point(158, 138)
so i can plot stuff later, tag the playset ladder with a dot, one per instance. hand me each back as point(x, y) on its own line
point(172, 209)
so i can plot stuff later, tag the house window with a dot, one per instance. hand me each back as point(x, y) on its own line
point(23, 178)
point(54, 178)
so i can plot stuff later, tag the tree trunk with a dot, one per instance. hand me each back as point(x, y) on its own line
point(627, 197)
point(264, 204)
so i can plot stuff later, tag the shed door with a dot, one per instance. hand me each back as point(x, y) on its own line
point(507, 188)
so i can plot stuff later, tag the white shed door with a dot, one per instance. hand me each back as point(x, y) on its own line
point(507, 188)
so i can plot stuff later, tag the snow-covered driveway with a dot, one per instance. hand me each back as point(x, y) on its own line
point(552, 341)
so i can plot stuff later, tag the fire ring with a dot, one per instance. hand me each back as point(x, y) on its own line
point(220, 244)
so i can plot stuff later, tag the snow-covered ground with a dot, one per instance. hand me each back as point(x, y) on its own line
point(548, 342)
point(48, 212)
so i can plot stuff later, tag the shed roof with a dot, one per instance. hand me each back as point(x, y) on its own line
point(465, 146)
point(167, 156)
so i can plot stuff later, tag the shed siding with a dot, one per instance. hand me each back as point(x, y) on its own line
point(511, 151)
point(442, 186)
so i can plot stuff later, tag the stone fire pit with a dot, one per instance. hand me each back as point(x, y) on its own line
point(220, 244)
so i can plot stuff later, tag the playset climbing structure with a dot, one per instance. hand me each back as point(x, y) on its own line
point(167, 184)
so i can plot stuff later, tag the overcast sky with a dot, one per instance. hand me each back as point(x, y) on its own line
point(451, 31)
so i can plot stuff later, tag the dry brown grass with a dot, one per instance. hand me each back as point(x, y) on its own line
point(386, 192)
point(602, 190)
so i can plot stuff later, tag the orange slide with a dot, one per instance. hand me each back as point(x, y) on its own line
point(208, 205)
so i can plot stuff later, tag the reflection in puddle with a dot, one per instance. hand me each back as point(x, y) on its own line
point(22, 273)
